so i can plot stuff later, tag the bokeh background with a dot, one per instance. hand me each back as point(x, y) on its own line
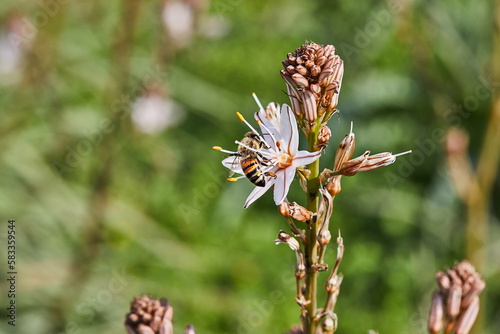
point(109, 112)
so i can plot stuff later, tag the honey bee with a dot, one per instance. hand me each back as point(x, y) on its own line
point(251, 162)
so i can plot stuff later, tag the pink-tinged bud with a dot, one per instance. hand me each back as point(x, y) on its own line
point(189, 329)
point(144, 329)
point(454, 301)
point(460, 287)
point(324, 76)
point(436, 314)
point(476, 288)
point(351, 167)
point(443, 280)
point(300, 81)
point(149, 316)
point(302, 71)
point(345, 150)
point(368, 162)
point(309, 105)
point(311, 69)
point(467, 318)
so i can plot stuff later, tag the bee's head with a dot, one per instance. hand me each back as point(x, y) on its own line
point(252, 140)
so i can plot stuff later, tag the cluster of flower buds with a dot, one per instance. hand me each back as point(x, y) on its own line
point(151, 316)
point(456, 302)
point(313, 76)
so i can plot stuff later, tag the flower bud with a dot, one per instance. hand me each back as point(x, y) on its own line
point(309, 73)
point(467, 318)
point(345, 150)
point(333, 185)
point(189, 329)
point(436, 314)
point(300, 213)
point(284, 209)
point(454, 301)
point(149, 316)
point(351, 167)
point(287, 239)
point(324, 134)
point(459, 288)
point(329, 324)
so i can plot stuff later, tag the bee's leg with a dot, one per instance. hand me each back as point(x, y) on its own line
point(270, 174)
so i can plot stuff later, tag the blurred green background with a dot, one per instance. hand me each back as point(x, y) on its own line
point(109, 112)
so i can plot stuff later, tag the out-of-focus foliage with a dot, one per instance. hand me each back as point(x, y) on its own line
point(108, 209)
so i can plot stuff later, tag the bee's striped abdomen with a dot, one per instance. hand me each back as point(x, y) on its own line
point(253, 172)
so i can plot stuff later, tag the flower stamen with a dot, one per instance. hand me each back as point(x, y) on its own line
point(257, 101)
point(402, 153)
point(220, 149)
point(270, 133)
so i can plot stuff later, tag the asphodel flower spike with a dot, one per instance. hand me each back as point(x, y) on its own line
point(274, 154)
point(456, 303)
point(313, 76)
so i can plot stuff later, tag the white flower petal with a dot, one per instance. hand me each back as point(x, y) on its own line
point(259, 191)
point(289, 130)
point(303, 158)
point(284, 178)
point(265, 126)
point(233, 164)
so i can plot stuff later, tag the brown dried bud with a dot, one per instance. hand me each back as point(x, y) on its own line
point(149, 316)
point(350, 168)
point(324, 237)
point(436, 314)
point(300, 213)
point(287, 239)
point(368, 162)
point(333, 185)
point(324, 134)
point(345, 150)
point(284, 209)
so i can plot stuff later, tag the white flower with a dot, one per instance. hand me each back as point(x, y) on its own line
point(152, 113)
point(281, 154)
point(178, 19)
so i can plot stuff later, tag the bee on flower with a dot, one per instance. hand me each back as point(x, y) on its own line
point(269, 159)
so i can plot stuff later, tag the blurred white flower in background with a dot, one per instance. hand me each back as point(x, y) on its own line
point(13, 46)
point(153, 112)
point(213, 27)
point(178, 19)
point(183, 19)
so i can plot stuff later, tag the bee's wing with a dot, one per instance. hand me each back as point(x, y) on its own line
point(233, 163)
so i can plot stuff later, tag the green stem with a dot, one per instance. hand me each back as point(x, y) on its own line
point(311, 251)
